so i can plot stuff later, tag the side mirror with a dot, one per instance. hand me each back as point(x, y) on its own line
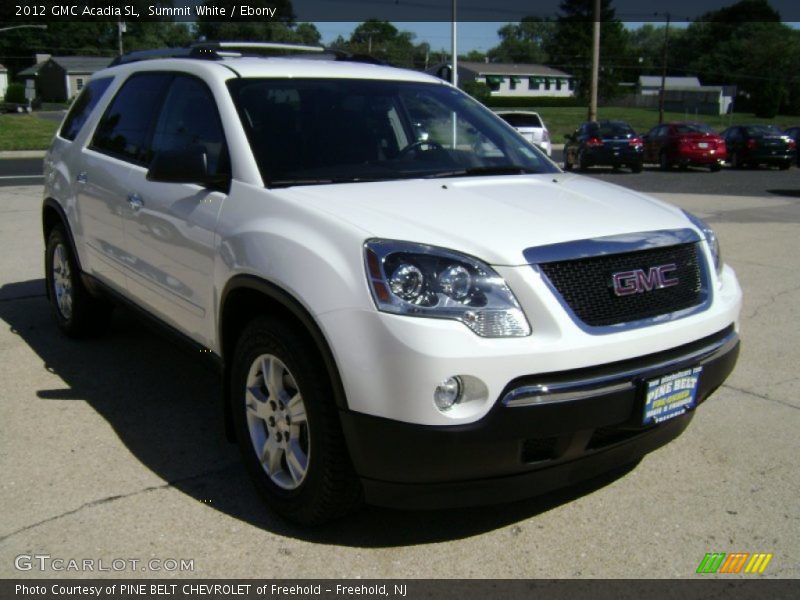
point(184, 165)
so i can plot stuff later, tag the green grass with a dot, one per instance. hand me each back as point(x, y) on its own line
point(25, 132)
point(562, 120)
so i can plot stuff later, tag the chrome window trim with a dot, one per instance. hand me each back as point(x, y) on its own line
point(622, 244)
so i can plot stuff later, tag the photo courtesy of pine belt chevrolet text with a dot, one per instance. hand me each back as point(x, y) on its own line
point(409, 303)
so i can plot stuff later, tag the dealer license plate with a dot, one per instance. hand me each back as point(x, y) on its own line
point(671, 395)
point(702, 145)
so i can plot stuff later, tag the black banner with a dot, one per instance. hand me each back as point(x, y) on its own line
point(396, 589)
point(44, 11)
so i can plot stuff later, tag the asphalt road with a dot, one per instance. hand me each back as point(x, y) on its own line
point(20, 171)
point(112, 448)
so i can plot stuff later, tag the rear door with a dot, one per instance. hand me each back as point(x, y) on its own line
point(105, 167)
point(170, 228)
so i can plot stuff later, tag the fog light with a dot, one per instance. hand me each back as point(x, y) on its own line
point(447, 393)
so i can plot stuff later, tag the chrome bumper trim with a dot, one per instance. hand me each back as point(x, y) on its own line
point(570, 391)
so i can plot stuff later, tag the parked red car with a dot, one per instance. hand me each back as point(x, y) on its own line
point(684, 144)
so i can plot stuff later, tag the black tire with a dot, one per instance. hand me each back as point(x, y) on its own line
point(329, 487)
point(736, 161)
point(636, 167)
point(663, 161)
point(583, 164)
point(785, 165)
point(714, 167)
point(567, 165)
point(77, 313)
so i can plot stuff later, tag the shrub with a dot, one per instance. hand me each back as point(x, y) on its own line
point(16, 93)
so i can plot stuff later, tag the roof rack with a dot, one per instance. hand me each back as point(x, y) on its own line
point(213, 51)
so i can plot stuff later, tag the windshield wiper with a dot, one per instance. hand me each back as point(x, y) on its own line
point(490, 170)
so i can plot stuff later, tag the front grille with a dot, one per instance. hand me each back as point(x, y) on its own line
point(587, 287)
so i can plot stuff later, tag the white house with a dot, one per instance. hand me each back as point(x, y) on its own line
point(512, 80)
point(650, 85)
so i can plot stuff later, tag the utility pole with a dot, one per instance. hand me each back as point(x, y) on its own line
point(121, 28)
point(453, 32)
point(595, 62)
point(663, 74)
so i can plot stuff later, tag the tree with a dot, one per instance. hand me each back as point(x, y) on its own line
point(382, 40)
point(522, 42)
point(570, 46)
point(745, 45)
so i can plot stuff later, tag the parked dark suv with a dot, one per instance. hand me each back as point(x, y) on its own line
point(609, 143)
point(759, 145)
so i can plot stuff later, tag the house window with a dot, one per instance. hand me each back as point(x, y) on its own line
point(79, 84)
point(558, 84)
point(494, 81)
point(547, 83)
point(571, 83)
point(512, 82)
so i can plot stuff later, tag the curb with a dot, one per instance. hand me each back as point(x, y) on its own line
point(23, 154)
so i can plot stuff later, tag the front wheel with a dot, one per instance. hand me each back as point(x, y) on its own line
point(785, 165)
point(77, 312)
point(636, 167)
point(287, 425)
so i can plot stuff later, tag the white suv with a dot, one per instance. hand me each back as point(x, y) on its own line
point(409, 304)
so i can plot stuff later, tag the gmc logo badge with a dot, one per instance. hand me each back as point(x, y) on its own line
point(640, 281)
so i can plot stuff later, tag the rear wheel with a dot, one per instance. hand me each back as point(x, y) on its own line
point(736, 161)
point(714, 167)
point(567, 164)
point(785, 165)
point(663, 161)
point(583, 162)
point(77, 312)
point(287, 425)
point(636, 167)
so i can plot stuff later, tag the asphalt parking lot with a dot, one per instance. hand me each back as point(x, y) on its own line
point(111, 448)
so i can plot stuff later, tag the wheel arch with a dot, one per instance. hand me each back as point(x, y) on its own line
point(246, 297)
point(53, 214)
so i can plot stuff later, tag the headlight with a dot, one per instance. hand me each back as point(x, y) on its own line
point(424, 281)
point(711, 238)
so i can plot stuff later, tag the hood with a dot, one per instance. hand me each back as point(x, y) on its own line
point(492, 218)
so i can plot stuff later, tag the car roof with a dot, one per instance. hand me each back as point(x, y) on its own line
point(274, 66)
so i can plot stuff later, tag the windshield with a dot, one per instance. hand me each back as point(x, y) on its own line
point(693, 128)
point(611, 129)
point(312, 131)
point(759, 130)
point(521, 119)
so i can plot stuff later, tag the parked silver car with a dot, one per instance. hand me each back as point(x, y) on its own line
point(530, 125)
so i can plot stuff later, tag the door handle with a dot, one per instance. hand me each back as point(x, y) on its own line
point(82, 177)
point(135, 202)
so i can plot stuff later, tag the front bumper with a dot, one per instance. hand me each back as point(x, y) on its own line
point(518, 449)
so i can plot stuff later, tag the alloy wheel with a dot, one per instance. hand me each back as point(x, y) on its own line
point(278, 422)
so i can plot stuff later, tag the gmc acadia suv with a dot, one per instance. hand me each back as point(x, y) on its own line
point(409, 304)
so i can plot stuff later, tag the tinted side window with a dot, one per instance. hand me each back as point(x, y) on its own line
point(190, 118)
point(83, 106)
point(125, 126)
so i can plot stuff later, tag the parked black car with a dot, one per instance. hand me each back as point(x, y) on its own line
point(610, 143)
point(758, 145)
point(794, 133)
